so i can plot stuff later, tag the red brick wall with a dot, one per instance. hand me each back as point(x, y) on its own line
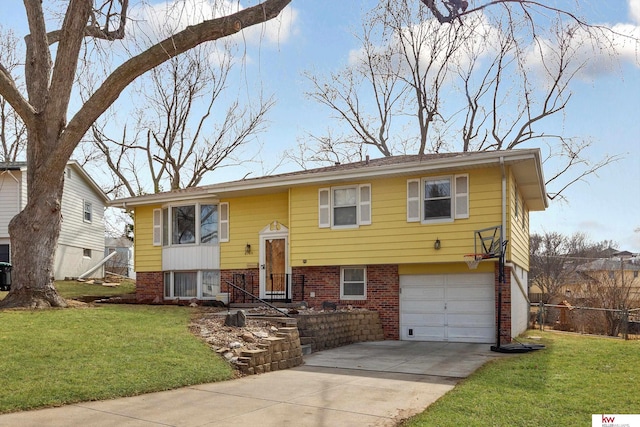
point(505, 321)
point(383, 286)
point(149, 287)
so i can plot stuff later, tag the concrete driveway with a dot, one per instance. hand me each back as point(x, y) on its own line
point(364, 384)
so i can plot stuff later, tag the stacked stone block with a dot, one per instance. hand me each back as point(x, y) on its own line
point(280, 352)
point(330, 330)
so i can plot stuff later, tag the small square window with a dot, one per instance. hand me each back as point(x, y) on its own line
point(86, 253)
point(87, 215)
point(353, 283)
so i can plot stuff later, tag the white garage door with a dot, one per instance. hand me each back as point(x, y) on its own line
point(451, 307)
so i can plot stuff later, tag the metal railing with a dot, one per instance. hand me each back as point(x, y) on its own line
point(285, 288)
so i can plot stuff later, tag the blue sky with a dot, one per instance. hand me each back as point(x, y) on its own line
point(317, 35)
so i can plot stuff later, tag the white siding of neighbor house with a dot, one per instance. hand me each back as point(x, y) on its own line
point(9, 200)
point(76, 234)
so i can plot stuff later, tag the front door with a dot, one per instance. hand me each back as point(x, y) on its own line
point(275, 267)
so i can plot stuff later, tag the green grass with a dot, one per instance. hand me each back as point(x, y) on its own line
point(73, 289)
point(562, 385)
point(60, 356)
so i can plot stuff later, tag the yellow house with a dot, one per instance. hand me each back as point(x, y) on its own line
point(387, 234)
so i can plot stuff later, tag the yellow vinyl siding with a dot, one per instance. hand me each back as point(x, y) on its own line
point(146, 256)
point(248, 216)
point(518, 247)
point(487, 266)
point(390, 238)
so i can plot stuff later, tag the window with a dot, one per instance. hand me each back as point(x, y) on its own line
point(344, 207)
point(87, 215)
point(183, 225)
point(191, 284)
point(190, 224)
point(86, 253)
point(438, 199)
point(208, 224)
point(353, 283)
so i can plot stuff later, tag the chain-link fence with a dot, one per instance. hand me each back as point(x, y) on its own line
point(624, 323)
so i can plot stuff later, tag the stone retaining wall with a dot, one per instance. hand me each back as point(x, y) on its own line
point(329, 330)
point(280, 352)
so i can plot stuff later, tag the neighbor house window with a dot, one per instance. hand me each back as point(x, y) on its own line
point(344, 207)
point(438, 199)
point(353, 283)
point(191, 284)
point(87, 214)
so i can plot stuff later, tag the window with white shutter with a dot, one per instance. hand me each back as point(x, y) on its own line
point(413, 200)
point(157, 227)
point(324, 208)
point(224, 222)
point(462, 196)
point(365, 204)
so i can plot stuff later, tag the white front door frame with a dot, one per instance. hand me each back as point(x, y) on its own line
point(274, 230)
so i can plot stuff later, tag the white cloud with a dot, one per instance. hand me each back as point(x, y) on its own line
point(158, 21)
point(634, 11)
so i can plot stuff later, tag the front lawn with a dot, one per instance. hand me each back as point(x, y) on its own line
point(59, 356)
point(74, 289)
point(562, 385)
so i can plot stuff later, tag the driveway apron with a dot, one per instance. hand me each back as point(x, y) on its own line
point(364, 384)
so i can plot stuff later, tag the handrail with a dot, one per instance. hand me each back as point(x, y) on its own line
point(259, 299)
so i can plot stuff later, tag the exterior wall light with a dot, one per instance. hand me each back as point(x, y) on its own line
point(436, 244)
point(247, 249)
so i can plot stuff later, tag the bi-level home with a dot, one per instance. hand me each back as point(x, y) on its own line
point(81, 242)
point(386, 234)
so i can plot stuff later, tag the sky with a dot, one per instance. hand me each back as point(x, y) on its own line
point(317, 35)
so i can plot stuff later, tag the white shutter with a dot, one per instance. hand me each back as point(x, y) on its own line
point(413, 200)
point(462, 196)
point(365, 205)
point(157, 227)
point(224, 222)
point(324, 208)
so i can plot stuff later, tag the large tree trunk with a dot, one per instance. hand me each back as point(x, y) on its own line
point(34, 238)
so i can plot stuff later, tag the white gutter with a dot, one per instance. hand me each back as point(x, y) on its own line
point(100, 264)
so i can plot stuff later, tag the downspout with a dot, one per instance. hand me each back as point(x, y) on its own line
point(503, 230)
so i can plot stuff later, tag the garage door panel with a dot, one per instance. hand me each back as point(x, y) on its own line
point(469, 307)
point(424, 333)
point(418, 319)
point(456, 307)
point(478, 335)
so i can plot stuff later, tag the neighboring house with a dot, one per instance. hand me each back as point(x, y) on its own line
point(81, 242)
point(620, 274)
point(122, 263)
point(387, 234)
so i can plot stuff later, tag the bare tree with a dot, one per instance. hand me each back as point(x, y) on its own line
point(50, 70)
point(484, 82)
point(13, 134)
point(183, 128)
point(554, 259)
point(605, 285)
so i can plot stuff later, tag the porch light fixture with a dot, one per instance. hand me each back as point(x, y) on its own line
point(247, 249)
point(436, 244)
